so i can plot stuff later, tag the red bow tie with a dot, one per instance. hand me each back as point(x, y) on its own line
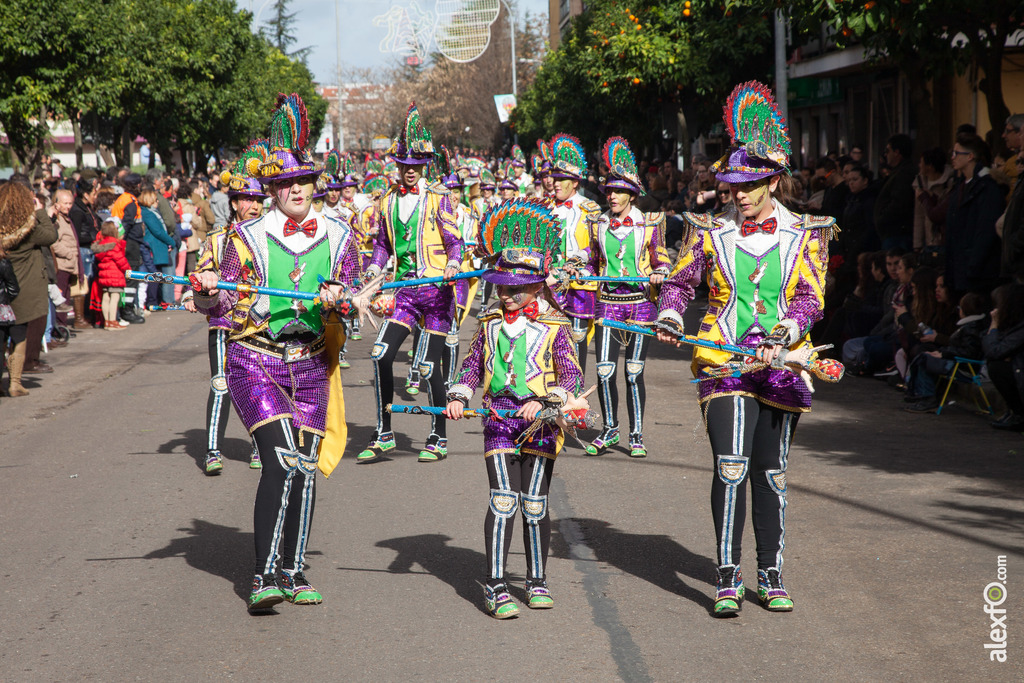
point(308, 228)
point(567, 203)
point(531, 310)
point(403, 190)
point(750, 227)
point(625, 221)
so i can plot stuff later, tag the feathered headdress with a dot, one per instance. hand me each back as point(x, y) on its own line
point(414, 144)
point(521, 233)
point(542, 159)
point(518, 159)
point(332, 167)
point(375, 185)
point(487, 181)
point(241, 177)
point(447, 168)
point(289, 135)
point(347, 175)
point(374, 167)
point(621, 163)
point(568, 160)
point(759, 135)
point(508, 176)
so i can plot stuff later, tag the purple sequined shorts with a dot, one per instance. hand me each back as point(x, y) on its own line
point(500, 435)
point(577, 303)
point(434, 306)
point(776, 388)
point(264, 388)
point(641, 312)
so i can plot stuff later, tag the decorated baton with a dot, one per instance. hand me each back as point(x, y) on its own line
point(575, 418)
point(432, 280)
point(240, 287)
point(611, 278)
point(825, 369)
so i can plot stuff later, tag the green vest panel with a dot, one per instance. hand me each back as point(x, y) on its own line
point(285, 271)
point(405, 249)
point(505, 377)
point(621, 256)
point(757, 303)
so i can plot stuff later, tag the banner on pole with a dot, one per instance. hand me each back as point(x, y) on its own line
point(505, 105)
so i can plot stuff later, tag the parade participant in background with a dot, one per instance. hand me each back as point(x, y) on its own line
point(576, 212)
point(336, 205)
point(368, 224)
point(282, 360)
point(245, 197)
point(465, 290)
point(418, 232)
point(625, 242)
point(522, 180)
point(765, 268)
point(508, 188)
point(543, 171)
point(485, 203)
point(524, 356)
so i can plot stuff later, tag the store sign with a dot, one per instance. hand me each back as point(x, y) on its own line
point(808, 92)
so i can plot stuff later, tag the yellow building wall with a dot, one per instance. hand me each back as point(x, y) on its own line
point(969, 104)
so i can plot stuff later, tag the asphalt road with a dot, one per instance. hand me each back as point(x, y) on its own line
point(122, 561)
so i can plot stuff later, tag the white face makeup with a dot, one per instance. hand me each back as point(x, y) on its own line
point(294, 197)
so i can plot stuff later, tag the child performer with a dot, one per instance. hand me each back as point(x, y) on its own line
point(282, 360)
point(765, 267)
point(624, 243)
point(525, 357)
point(246, 196)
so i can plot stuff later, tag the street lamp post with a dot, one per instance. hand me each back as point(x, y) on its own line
point(512, 37)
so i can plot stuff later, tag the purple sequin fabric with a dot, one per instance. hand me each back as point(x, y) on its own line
point(577, 303)
point(501, 434)
point(264, 388)
point(779, 388)
point(427, 305)
point(642, 312)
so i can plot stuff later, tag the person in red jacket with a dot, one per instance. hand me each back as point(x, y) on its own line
point(110, 266)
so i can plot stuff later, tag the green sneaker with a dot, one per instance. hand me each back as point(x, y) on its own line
point(265, 593)
point(539, 595)
point(254, 461)
point(770, 591)
point(729, 593)
point(636, 446)
point(499, 603)
point(344, 364)
point(355, 336)
point(378, 447)
point(412, 387)
point(435, 449)
point(214, 463)
point(298, 591)
point(609, 437)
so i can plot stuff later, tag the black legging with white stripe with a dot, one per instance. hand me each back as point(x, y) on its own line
point(285, 497)
point(749, 440)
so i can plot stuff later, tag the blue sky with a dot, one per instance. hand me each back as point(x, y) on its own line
point(360, 38)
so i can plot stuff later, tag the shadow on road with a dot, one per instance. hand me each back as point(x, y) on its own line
point(460, 568)
point(360, 435)
point(653, 557)
point(214, 549)
point(193, 442)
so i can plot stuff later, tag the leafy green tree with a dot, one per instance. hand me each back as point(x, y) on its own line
point(281, 28)
point(626, 62)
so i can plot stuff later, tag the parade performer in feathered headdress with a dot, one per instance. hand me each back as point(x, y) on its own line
point(525, 358)
point(282, 360)
point(418, 231)
point(765, 267)
point(523, 180)
point(542, 170)
point(568, 169)
point(508, 188)
point(246, 196)
point(625, 242)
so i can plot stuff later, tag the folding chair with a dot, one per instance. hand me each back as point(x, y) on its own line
point(970, 377)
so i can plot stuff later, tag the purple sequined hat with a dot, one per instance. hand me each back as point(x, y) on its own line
point(289, 132)
point(240, 178)
point(521, 233)
point(414, 146)
point(759, 135)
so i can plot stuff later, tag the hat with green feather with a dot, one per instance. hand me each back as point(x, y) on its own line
point(621, 163)
point(487, 181)
point(508, 176)
point(521, 233)
point(414, 145)
point(568, 160)
point(241, 177)
point(517, 156)
point(759, 134)
point(376, 184)
point(289, 135)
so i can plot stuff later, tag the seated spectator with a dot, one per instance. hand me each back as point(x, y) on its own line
point(1003, 345)
point(928, 320)
point(965, 342)
point(876, 351)
point(861, 309)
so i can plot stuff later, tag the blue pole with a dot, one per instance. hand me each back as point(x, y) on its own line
point(431, 280)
